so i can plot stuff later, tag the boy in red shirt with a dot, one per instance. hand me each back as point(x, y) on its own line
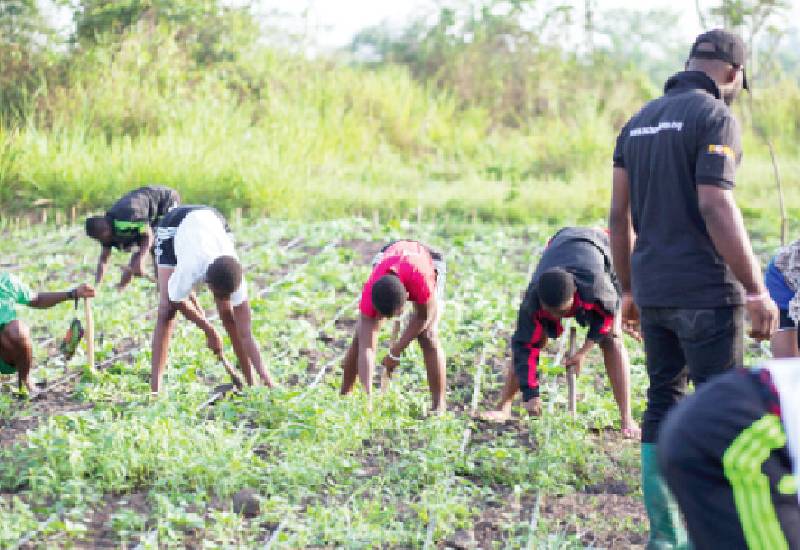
point(402, 271)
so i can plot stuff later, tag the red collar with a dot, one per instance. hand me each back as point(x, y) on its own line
point(577, 304)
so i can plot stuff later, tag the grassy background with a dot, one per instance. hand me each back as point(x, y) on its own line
point(480, 132)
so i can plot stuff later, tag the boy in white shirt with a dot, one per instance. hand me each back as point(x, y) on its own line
point(194, 246)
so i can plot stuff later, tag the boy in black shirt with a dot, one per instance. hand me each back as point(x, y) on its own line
point(131, 221)
point(573, 279)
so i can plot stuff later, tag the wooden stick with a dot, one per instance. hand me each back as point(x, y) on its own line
point(87, 307)
point(476, 387)
point(237, 381)
point(572, 401)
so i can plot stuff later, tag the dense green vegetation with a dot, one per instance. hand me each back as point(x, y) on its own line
point(466, 119)
point(484, 110)
point(97, 461)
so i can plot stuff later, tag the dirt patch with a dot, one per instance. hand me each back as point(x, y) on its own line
point(100, 532)
point(364, 250)
point(33, 412)
point(603, 520)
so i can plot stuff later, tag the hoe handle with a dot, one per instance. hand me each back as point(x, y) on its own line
point(571, 396)
point(237, 381)
point(87, 308)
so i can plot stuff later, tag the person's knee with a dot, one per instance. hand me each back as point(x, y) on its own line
point(428, 338)
point(166, 312)
point(612, 342)
point(17, 334)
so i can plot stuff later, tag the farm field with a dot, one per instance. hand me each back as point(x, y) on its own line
point(95, 461)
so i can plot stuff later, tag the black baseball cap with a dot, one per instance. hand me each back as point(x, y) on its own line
point(727, 46)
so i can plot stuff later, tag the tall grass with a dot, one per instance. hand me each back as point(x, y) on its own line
point(281, 135)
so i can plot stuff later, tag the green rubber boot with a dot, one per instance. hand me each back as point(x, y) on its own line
point(666, 527)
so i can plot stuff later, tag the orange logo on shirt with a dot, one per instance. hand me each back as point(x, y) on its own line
point(723, 150)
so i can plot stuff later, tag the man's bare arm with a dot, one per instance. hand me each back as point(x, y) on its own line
point(726, 228)
point(243, 317)
point(189, 310)
point(137, 258)
point(135, 267)
point(621, 228)
point(44, 300)
point(102, 263)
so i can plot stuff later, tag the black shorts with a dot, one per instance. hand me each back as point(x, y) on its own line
point(786, 321)
point(164, 249)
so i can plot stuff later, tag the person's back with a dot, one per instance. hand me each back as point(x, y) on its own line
point(585, 253)
point(412, 262)
point(193, 248)
point(145, 204)
point(130, 222)
point(671, 144)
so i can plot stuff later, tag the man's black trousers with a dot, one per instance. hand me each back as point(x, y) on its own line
point(683, 344)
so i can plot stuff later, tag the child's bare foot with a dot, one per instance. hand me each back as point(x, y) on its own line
point(534, 406)
point(500, 415)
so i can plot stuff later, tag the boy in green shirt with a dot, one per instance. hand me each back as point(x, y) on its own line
point(16, 354)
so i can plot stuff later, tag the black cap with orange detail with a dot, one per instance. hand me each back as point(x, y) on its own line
point(722, 45)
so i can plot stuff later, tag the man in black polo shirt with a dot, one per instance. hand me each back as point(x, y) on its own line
point(680, 248)
point(131, 221)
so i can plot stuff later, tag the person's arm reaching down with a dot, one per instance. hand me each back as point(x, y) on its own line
point(243, 317)
point(576, 361)
point(726, 228)
point(228, 319)
point(422, 316)
point(190, 310)
point(622, 237)
point(102, 264)
point(367, 337)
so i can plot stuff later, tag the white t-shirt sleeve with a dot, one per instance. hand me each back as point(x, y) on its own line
point(240, 295)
